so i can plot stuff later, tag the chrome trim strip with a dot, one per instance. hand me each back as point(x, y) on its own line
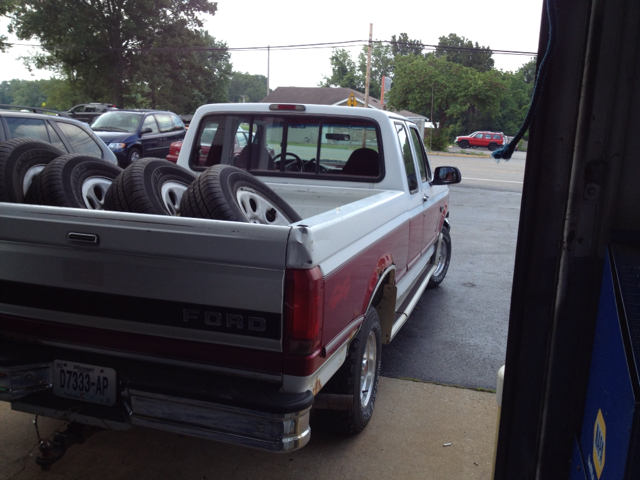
point(404, 316)
point(329, 347)
point(272, 345)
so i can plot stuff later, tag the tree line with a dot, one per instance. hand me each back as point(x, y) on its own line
point(456, 86)
point(144, 54)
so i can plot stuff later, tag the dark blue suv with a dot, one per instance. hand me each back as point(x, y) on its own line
point(133, 134)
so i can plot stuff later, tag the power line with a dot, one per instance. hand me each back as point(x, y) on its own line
point(307, 46)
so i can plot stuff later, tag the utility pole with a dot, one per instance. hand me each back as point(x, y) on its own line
point(432, 124)
point(366, 87)
point(268, 65)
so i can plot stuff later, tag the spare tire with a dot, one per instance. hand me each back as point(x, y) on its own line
point(74, 181)
point(21, 159)
point(224, 192)
point(149, 185)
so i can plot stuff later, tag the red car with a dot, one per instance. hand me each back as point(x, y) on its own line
point(241, 140)
point(490, 140)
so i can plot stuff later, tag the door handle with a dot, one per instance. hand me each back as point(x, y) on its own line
point(425, 197)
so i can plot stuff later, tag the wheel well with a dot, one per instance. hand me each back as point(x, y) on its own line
point(384, 297)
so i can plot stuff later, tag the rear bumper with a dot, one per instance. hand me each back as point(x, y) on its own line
point(251, 414)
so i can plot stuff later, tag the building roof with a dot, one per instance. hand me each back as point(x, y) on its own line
point(325, 96)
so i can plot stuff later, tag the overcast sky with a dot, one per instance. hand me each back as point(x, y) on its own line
point(500, 24)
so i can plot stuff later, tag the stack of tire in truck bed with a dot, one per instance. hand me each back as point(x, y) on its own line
point(32, 171)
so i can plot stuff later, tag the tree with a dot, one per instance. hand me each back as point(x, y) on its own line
point(405, 46)
point(103, 48)
point(461, 50)
point(343, 72)
point(200, 74)
point(247, 87)
point(529, 71)
point(382, 61)
point(453, 88)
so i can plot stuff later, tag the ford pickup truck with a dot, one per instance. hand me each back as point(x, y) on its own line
point(266, 290)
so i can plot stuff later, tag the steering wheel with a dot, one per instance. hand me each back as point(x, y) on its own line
point(289, 166)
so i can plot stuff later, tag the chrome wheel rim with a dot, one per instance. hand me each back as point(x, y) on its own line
point(28, 177)
point(442, 259)
point(93, 191)
point(259, 209)
point(135, 155)
point(171, 194)
point(368, 369)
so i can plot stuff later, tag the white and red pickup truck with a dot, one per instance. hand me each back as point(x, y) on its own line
point(252, 294)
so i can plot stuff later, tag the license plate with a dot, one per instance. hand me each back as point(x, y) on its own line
point(87, 383)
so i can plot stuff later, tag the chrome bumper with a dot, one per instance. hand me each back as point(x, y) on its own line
point(275, 432)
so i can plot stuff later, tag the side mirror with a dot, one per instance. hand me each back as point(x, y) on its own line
point(145, 130)
point(446, 176)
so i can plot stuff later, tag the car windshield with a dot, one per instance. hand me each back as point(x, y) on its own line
point(117, 122)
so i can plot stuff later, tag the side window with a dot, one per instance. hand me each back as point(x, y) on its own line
point(177, 123)
point(80, 140)
point(479, 135)
point(405, 147)
point(150, 122)
point(165, 122)
point(27, 127)
point(423, 162)
point(55, 139)
point(90, 108)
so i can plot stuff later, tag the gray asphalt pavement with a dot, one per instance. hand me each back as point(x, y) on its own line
point(457, 334)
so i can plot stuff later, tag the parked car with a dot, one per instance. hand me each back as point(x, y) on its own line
point(133, 134)
point(490, 140)
point(88, 112)
point(68, 135)
point(240, 141)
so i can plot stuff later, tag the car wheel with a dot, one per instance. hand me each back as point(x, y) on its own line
point(442, 262)
point(224, 192)
point(134, 155)
point(492, 147)
point(463, 144)
point(474, 146)
point(150, 185)
point(21, 159)
point(73, 181)
point(358, 376)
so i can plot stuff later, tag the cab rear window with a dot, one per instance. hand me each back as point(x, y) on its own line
point(290, 145)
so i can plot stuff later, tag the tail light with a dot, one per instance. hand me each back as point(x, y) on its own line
point(303, 310)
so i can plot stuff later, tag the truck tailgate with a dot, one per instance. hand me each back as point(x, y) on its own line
point(155, 281)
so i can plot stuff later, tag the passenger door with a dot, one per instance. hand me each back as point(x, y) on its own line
point(415, 204)
point(430, 210)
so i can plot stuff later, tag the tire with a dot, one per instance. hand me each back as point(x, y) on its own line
point(464, 144)
point(150, 185)
point(492, 147)
point(73, 181)
point(358, 376)
point(442, 263)
point(21, 159)
point(134, 155)
point(224, 192)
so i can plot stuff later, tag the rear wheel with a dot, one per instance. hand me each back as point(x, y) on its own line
point(150, 185)
point(359, 377)
point(492, 147)
point(21, 159)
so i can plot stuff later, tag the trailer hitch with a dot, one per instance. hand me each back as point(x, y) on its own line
point(53, 449)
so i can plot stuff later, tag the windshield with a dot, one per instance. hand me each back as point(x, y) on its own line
point(117, 122)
